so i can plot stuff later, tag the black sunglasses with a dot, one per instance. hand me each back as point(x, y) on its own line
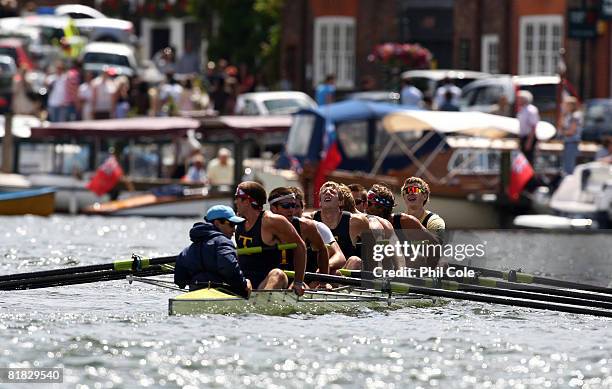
point(359, 201)
point(287, 205)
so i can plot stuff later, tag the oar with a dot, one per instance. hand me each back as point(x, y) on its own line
point(80, 278)
point(493, 283)
point(133, 264)
point(526, 278)
point(398, 287)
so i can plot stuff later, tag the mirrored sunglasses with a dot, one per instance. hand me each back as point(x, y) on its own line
point(413, 189)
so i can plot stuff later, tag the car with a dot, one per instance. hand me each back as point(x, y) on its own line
point(78, 11)
point(15, 49)
point(376, 96)
point(272, 103)
point(98, 56)
point(107, 30)
point(597, 120)
point(7, 72)
point(484, 95)
point(429, 80)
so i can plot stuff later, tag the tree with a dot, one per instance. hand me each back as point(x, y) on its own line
point(248, 31)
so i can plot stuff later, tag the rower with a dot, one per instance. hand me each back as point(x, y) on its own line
point(336, 256)
point(347, 228)
point(283, 202)
point(211, 257)
point(417, 224)
point(381, 228)
point(360, 195)
point(265, 229)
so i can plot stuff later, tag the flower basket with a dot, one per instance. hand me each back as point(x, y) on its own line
point(395, 58)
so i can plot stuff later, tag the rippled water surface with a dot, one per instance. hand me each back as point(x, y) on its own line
point(117, 335)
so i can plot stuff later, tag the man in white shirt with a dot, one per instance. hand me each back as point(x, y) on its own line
point(528, 117)
point(447, 86)
point(411, 95)
point(221, 169)
point(56, 103)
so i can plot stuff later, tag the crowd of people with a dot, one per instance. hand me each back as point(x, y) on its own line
point(334, 237)
point(70, 93)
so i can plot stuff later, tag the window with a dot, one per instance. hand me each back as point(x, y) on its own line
point(300, 135)
point(539, 44)
point(353, 136)
point(334, 50)
point(490, 53)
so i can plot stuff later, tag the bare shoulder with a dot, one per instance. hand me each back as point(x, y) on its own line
point(274, 220)
point(386, 223)
point(409, 221)
point(359, 220)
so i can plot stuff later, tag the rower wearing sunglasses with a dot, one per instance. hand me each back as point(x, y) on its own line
point(418, 224)
point(265, 229)
point(336, 256)
point(346, 227)
point(284, 202)
point(211, 257)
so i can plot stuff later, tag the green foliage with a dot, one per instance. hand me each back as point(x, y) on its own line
point(248, 31)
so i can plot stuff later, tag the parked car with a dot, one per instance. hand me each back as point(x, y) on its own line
point(78, 11)
point(376, 96)
point(597, 119)
point(107, 30)
point(97, 56)
point(484, 95)
point(429, 80)
point(7, 72)
point(15, 49)
point(272, 103)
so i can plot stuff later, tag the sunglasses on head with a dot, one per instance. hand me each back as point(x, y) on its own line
point(413, 189)
point(287, 205)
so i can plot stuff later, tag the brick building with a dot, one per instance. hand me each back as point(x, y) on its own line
point(524, 37)
point(323, 36)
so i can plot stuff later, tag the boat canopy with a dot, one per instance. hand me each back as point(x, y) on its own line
point(141, 126)
point(243, 125)
point(476, 124)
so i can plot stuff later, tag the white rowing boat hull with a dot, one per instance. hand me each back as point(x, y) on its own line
point(285, 302)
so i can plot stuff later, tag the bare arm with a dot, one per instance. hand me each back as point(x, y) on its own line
point(337, 260)
point(358, 225)
point(309, 231)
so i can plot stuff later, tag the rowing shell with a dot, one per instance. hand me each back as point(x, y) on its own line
point(285, 302)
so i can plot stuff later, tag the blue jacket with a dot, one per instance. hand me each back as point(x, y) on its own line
point(211, 257)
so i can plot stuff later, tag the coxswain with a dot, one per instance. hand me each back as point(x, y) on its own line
point(284, 202)
point(212, 257)
point(346, 227)
point(336, 256)
point(265, 229)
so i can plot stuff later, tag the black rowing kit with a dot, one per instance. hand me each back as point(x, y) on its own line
point(342, 233)
point(255, 266)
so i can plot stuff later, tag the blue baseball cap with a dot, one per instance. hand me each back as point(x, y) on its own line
point(223, 212)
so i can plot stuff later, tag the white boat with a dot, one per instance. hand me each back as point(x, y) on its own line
point(285, 302)
point(582, 200)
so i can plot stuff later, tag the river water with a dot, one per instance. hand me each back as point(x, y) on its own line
point(117, 335)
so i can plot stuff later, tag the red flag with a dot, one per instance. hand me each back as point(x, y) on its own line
point(521, 173)
point(328, 164)
point(106, 177)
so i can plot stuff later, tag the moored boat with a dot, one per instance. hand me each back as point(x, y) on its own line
point(35, 202)
point(285, 302)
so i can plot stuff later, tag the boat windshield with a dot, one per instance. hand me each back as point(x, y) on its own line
point(300, 135)
point(66, 159)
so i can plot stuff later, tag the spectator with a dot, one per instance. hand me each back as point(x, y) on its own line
point(103, 88)
point(411, 95)
point(85, 96)
point(221, 169)
point(528, 116)
point(121, 98)
point(21, 102)
point(165, 60)
point(169, 95)
point(219, 95)
point(185, 102)
point(73, 82)
point(189, 63)
point(571, 131)
point(196, 172)
point(502, 107)
point(56, 103)
point(325, 93)
point(448, 104)
point(447, 85)
point(604, 153)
